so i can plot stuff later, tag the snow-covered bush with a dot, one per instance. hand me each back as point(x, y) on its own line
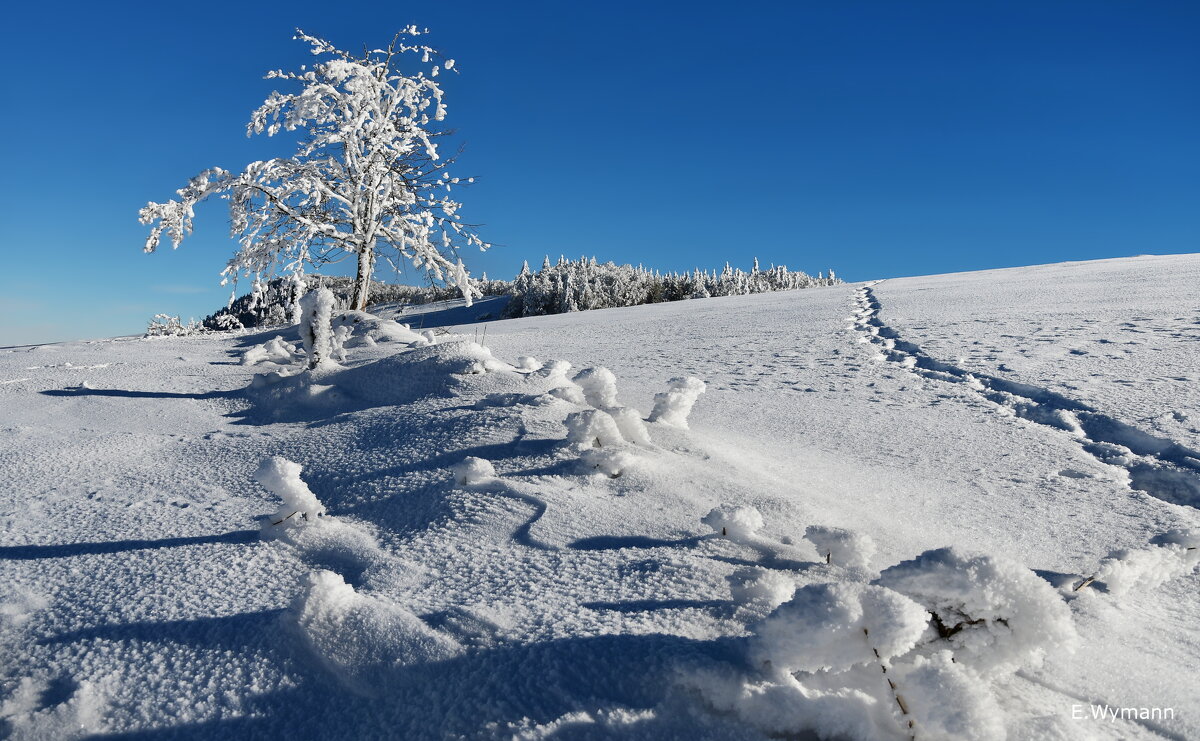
point(738, 523)
point(834, 627)
point(593, 428)
point(165, 325)
point(528, 363)
point(841, 547)
point(316, 330)
point(227, 323)
point(673, 406)
point(472, 470)
point(1169, 555)
point(630, 423)
point(599, 386)
point(846, 660)
point(281, 477)
point(995, 615)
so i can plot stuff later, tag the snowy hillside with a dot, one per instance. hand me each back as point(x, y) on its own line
point(859, 511)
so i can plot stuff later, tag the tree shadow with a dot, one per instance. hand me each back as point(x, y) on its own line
point(651, 605)
point(617, 542)
point(233, 632)
point(124, 393)
point(478, 694)
point(65, 550)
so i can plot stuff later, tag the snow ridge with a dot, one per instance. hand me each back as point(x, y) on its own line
point(1159, 467)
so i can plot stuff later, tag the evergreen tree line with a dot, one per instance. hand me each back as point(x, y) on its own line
point(554, 289)
point(586, 284)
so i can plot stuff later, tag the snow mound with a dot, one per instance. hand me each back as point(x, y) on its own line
point(281, 477)
point(472, 470)
point(271, 351)
point(673, 406)
point(431, 370)
point(361, 329)
point(995, 615)
point(788, 708)
point(360, 638)
point(841, 547)
point(838, 626)
point(736, 523)
point(1169, 556)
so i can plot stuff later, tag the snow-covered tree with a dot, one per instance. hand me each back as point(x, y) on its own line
point(366, 179)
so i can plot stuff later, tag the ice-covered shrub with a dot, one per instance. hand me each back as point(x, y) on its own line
point(1169, 555)
point(841, 547)
point(833, 627)
point(995, 615)
point(630, 423)
point(593, 428)
point(227, 323)
point(472, 470)
point(843, 660)
point(599, 386)
point(316, 329)
point(673, 406)
point(734, 522)
point(282, 478)
point(165, 325)
point(360, 638)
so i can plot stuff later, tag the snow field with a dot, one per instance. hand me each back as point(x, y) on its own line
point(504, 576)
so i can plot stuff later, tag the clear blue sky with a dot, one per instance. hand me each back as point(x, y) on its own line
point(880, 138)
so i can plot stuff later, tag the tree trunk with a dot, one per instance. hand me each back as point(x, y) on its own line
point(362, 281)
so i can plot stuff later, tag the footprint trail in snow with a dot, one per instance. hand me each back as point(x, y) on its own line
point(1159, 467)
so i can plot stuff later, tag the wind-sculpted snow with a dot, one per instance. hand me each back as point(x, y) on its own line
point(1162, 468)
point(521, 548)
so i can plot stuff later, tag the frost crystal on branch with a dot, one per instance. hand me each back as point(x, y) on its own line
point(366, 180)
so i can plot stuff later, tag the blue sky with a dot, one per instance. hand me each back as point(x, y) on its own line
point(879, 138)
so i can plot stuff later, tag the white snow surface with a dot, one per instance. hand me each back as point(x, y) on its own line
point(506, 552)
